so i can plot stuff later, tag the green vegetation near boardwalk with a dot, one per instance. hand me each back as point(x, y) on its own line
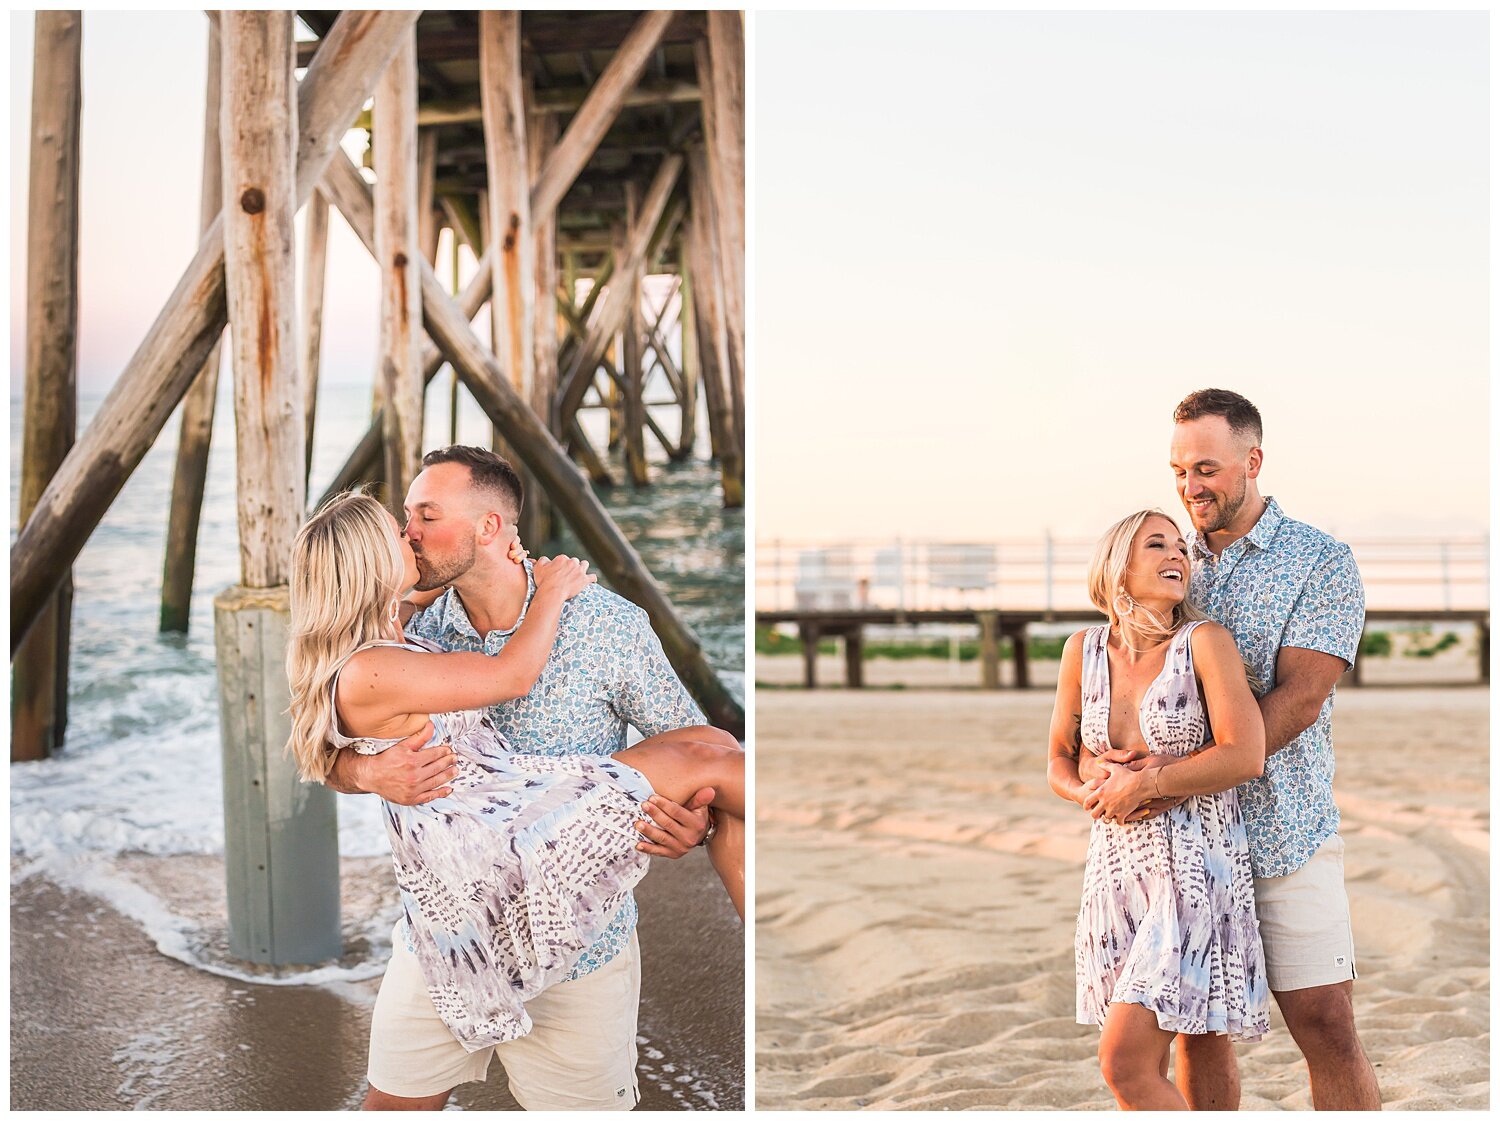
point(770, 641)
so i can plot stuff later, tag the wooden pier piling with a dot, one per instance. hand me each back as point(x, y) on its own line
point(280, 835)
point(397, 251)
point(39, 688)
point(195, 431)
point(314, 275)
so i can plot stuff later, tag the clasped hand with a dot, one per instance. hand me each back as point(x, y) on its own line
point(1124, 795)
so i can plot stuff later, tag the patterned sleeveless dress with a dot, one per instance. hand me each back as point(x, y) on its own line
point(507, 881)
point(1168, 913)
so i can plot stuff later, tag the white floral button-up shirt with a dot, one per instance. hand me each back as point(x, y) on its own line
point(607, 669)
point(1285, 584)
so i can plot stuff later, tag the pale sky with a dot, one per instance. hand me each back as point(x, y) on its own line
point(992, 251)
point(141, 165)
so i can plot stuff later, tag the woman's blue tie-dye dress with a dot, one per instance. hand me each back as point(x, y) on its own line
point(508, 880)
point(1168, 913)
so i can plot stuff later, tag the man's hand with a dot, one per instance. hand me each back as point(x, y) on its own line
point(1091, 766)
point(1157, 806)
point(406, 773)
point(674, 829)
point(1123, 797)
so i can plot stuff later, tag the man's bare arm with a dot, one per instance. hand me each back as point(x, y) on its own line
point(1304, 678)
point(408, 773)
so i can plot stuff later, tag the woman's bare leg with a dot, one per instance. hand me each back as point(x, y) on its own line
point(726, 851)
point(1131, 1049)
point(683, 762)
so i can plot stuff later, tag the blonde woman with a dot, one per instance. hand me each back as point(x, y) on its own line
point(509, 879)
point(1166, 940)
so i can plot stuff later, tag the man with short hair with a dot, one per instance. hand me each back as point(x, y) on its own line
point(1292, 597)
point(606, 670)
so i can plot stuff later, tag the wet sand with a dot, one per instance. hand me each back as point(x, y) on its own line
point(101, 1020)
point(918, 883)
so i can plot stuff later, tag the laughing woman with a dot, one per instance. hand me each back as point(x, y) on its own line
point(1167, 940)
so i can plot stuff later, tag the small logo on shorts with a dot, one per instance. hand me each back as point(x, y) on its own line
point(620, 1093)
point(1340, 960)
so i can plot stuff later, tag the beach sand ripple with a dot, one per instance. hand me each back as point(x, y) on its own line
point(918, 885)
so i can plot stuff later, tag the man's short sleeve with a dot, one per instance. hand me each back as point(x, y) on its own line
point(1329, 616)
point(651, 696)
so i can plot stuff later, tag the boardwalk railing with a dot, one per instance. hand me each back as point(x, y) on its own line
point(1440, 575)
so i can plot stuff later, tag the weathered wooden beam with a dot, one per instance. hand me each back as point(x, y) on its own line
point(989, 650)
point(39, 697)
point(258, 124)
point(633, 360)
point(428, 221)
point(658, 344)
point(721, 72)
point(702, 252)
point(524, 431)
point(513, 302)
point(339, 80)
point(581, 448)
point(854, 658)
point(541, 139)
point(599, 110)
point(397, 251)
point(615, 308)
point(314, 275)
point(555, 101)
point(688, 433)
point(280, 835)
point(190, 475)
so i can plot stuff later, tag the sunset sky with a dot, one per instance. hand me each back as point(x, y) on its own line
point(142, 159)
point(993, 250)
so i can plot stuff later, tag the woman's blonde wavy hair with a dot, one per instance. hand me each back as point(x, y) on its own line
point(1107, 588)
point(347, 572)
point(1107, 582)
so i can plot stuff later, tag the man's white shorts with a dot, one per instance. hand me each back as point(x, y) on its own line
point(580, 1053)
point(1304, 923)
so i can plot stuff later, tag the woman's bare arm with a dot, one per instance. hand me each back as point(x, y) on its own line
point(388, 683)
point(1065, 737)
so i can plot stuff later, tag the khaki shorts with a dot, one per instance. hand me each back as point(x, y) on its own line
point(1304, 923)
point(580, 1053)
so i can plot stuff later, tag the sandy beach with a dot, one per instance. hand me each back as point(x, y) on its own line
point(100, 1019)
point(918, 883)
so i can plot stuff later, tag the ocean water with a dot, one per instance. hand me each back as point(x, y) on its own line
point(140, 771)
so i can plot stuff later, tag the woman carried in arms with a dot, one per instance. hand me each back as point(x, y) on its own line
point(510, 878)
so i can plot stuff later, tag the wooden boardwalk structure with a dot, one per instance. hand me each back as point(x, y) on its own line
point(574, 153)
point(815, 625)
point(1004, 588)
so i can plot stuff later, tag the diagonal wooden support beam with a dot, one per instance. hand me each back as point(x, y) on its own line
point(549, 464)
point(615, 308)
point(597, 113)
point(339, 81)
